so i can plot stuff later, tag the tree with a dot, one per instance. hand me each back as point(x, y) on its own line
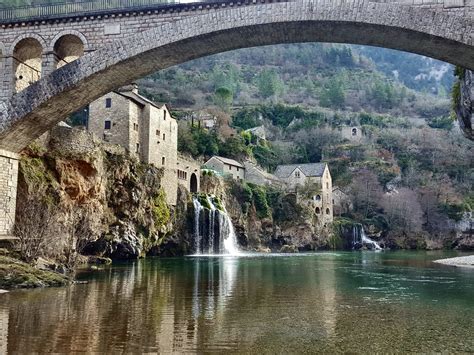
point(333, 95)
point(223, 98)
point(269, 83)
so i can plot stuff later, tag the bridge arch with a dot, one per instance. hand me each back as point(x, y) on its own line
point(67, 48)
point(27, 57)
point(35, 110)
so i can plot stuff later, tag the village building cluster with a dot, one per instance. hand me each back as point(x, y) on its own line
point(149, 132)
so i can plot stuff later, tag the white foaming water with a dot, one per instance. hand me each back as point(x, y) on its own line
point(358, 235)
point(206, 240)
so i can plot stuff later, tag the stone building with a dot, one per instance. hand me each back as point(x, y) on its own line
point(188, 172)
point(256, 175)
point(296, 176)
point(259, 132)
point(341, 201)
point(145, 129)
point(226, 166)
point(352, 133)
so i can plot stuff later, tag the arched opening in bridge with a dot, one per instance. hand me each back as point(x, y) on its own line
point(67, 49)
point(27, 63)
point(193, 184)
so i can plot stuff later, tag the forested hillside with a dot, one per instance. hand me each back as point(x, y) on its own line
point(335, 76)
point(411, 174)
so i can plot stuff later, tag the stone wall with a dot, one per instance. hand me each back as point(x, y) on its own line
point(122, 113)
point(8, 188)
point(189, 166)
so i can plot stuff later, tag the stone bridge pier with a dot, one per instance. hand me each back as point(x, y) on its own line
point(8, 189)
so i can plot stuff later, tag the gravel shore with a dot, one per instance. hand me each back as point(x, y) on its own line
point(462, 261)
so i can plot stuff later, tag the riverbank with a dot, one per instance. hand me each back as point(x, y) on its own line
point(16, 274)
point(460, 261)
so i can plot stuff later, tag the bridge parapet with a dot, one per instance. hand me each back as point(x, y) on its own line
point(83, 10)
point(461, 7)
point(86, 8)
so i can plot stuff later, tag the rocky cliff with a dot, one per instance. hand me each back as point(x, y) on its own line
point(463, 93)
point(95, 199)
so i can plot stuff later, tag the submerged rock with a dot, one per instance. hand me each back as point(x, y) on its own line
point(289, 249)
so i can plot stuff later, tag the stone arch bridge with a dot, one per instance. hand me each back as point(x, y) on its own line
point(52, 65)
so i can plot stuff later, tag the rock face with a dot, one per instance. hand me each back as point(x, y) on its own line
point(465, 103)
point(104, 203)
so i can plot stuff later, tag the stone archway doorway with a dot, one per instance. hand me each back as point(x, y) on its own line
point(193, 184)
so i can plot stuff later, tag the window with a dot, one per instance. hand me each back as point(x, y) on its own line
point(108, 102)
point(230, 167)
point(327, 211)
point(354, 131)
point(164, 136)
point(163, 160)
point(107, 124)
point(297, 174)
point(318, 211)
point(164, 115)
point(135, 126)
point(158, 133)
point(138, 148)
point(318, 198)
point(327, 185)
point(183, 175)
point(237, 168)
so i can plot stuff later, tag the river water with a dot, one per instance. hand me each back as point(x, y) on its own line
point(355, 302)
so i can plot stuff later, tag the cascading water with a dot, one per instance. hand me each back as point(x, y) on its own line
point(213, 229)
point(359, 238)
point(197, 214)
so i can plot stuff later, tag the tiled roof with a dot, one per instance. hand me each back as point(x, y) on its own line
point(228, 161)
point(315, 169)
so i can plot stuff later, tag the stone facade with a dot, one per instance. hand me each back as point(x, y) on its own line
point(296, 176)
point(256, 175)
point(146, 130)
point(226, 167)
point(8, 188)
point(188, 172)
point(353, 134)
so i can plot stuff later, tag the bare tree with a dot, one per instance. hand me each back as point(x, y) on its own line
point(33, 226)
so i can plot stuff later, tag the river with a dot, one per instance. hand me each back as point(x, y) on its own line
point(356, 302)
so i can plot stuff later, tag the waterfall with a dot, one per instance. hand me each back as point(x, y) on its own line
point(197, 214)
point(360, 239)
point(213, 229)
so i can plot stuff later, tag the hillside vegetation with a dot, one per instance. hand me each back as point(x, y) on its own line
point(410, 175)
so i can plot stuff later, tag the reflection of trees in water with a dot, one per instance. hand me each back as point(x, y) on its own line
point(176, 305)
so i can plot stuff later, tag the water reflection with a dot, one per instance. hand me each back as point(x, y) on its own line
point(327, 302)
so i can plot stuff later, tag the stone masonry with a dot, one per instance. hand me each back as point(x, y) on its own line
point(145, 129)
point(8, 186)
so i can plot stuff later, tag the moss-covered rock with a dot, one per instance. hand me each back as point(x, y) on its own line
point(17, 274)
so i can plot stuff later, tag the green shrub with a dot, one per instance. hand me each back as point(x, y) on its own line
point(161, 212)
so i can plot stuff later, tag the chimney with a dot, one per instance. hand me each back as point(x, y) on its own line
point(133, 87)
